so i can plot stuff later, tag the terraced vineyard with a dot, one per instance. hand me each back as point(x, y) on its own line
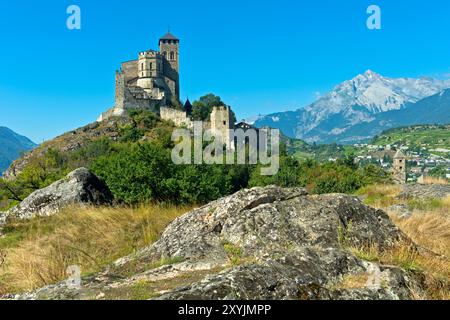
point(435, 139)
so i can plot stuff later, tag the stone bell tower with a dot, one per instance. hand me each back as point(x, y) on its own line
point(169, 46)
point(399, 167)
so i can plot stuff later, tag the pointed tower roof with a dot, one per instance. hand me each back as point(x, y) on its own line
point(168, 36)
point(399, 155)
point(188, 106)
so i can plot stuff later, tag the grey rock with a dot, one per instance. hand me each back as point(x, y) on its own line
point(262, 220)
point(401, 210)
point(286, 244)
point(79, 187)
point(304, 274)
point(424, 191)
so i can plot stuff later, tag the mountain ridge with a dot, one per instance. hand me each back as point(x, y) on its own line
point(11, 146)
point(355, 101)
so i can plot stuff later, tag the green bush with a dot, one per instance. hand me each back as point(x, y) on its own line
point(329, 177)
point(144, 172)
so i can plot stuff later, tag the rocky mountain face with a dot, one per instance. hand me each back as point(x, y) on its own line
point(262, 243)
point(431, 110)
point(79, 187)
point(357, 101)
point(11, 146)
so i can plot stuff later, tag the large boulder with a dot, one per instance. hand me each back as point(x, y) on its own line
point(79, 187)
point(262, 243)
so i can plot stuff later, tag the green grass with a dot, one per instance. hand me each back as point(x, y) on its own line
point(367, 254)
point(428, 204)
point(234, 253)
point(17, 231)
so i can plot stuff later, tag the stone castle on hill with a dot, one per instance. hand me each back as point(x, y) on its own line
point(152, 82)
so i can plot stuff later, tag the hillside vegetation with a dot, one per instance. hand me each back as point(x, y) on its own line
point(435, 139)
point(133, 157)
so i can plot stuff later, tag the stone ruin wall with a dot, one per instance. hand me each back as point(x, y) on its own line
point(176, 116)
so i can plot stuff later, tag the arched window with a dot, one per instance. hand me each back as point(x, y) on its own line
point(142, 66)
point(151, 66)
point(172, 55)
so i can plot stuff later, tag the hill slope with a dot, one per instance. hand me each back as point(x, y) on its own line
point(436, 136)
point(11, 146)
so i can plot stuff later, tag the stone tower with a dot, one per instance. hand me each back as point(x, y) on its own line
point(169, 48)
point(120, 94)
point(221, 123)
point(150, 67)
point(399, 167)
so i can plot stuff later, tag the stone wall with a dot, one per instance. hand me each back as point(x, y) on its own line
point(221, 123)
point(176, 116)
point(130, 70)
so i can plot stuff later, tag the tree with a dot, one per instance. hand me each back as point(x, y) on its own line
point(202, 108)
point(175, 103)
point(137, 173)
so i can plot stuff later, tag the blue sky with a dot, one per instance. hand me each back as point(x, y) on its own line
point(259, 56)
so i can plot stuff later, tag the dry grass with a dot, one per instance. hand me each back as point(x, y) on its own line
point(352, 281)
point(39, 251)
point(433, 180)
point(428, 227)
point(430, 230)
point(435, 270)
point(446, 202)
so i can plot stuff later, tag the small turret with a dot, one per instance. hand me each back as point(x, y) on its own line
point(149, 67)
point(188, 107)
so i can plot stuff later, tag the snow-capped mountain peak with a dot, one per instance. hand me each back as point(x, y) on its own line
point(376, 93)
point(355, 101)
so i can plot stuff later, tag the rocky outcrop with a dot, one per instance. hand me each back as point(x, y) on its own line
point(424, 191)
point(262, 243)
point(79, 187)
